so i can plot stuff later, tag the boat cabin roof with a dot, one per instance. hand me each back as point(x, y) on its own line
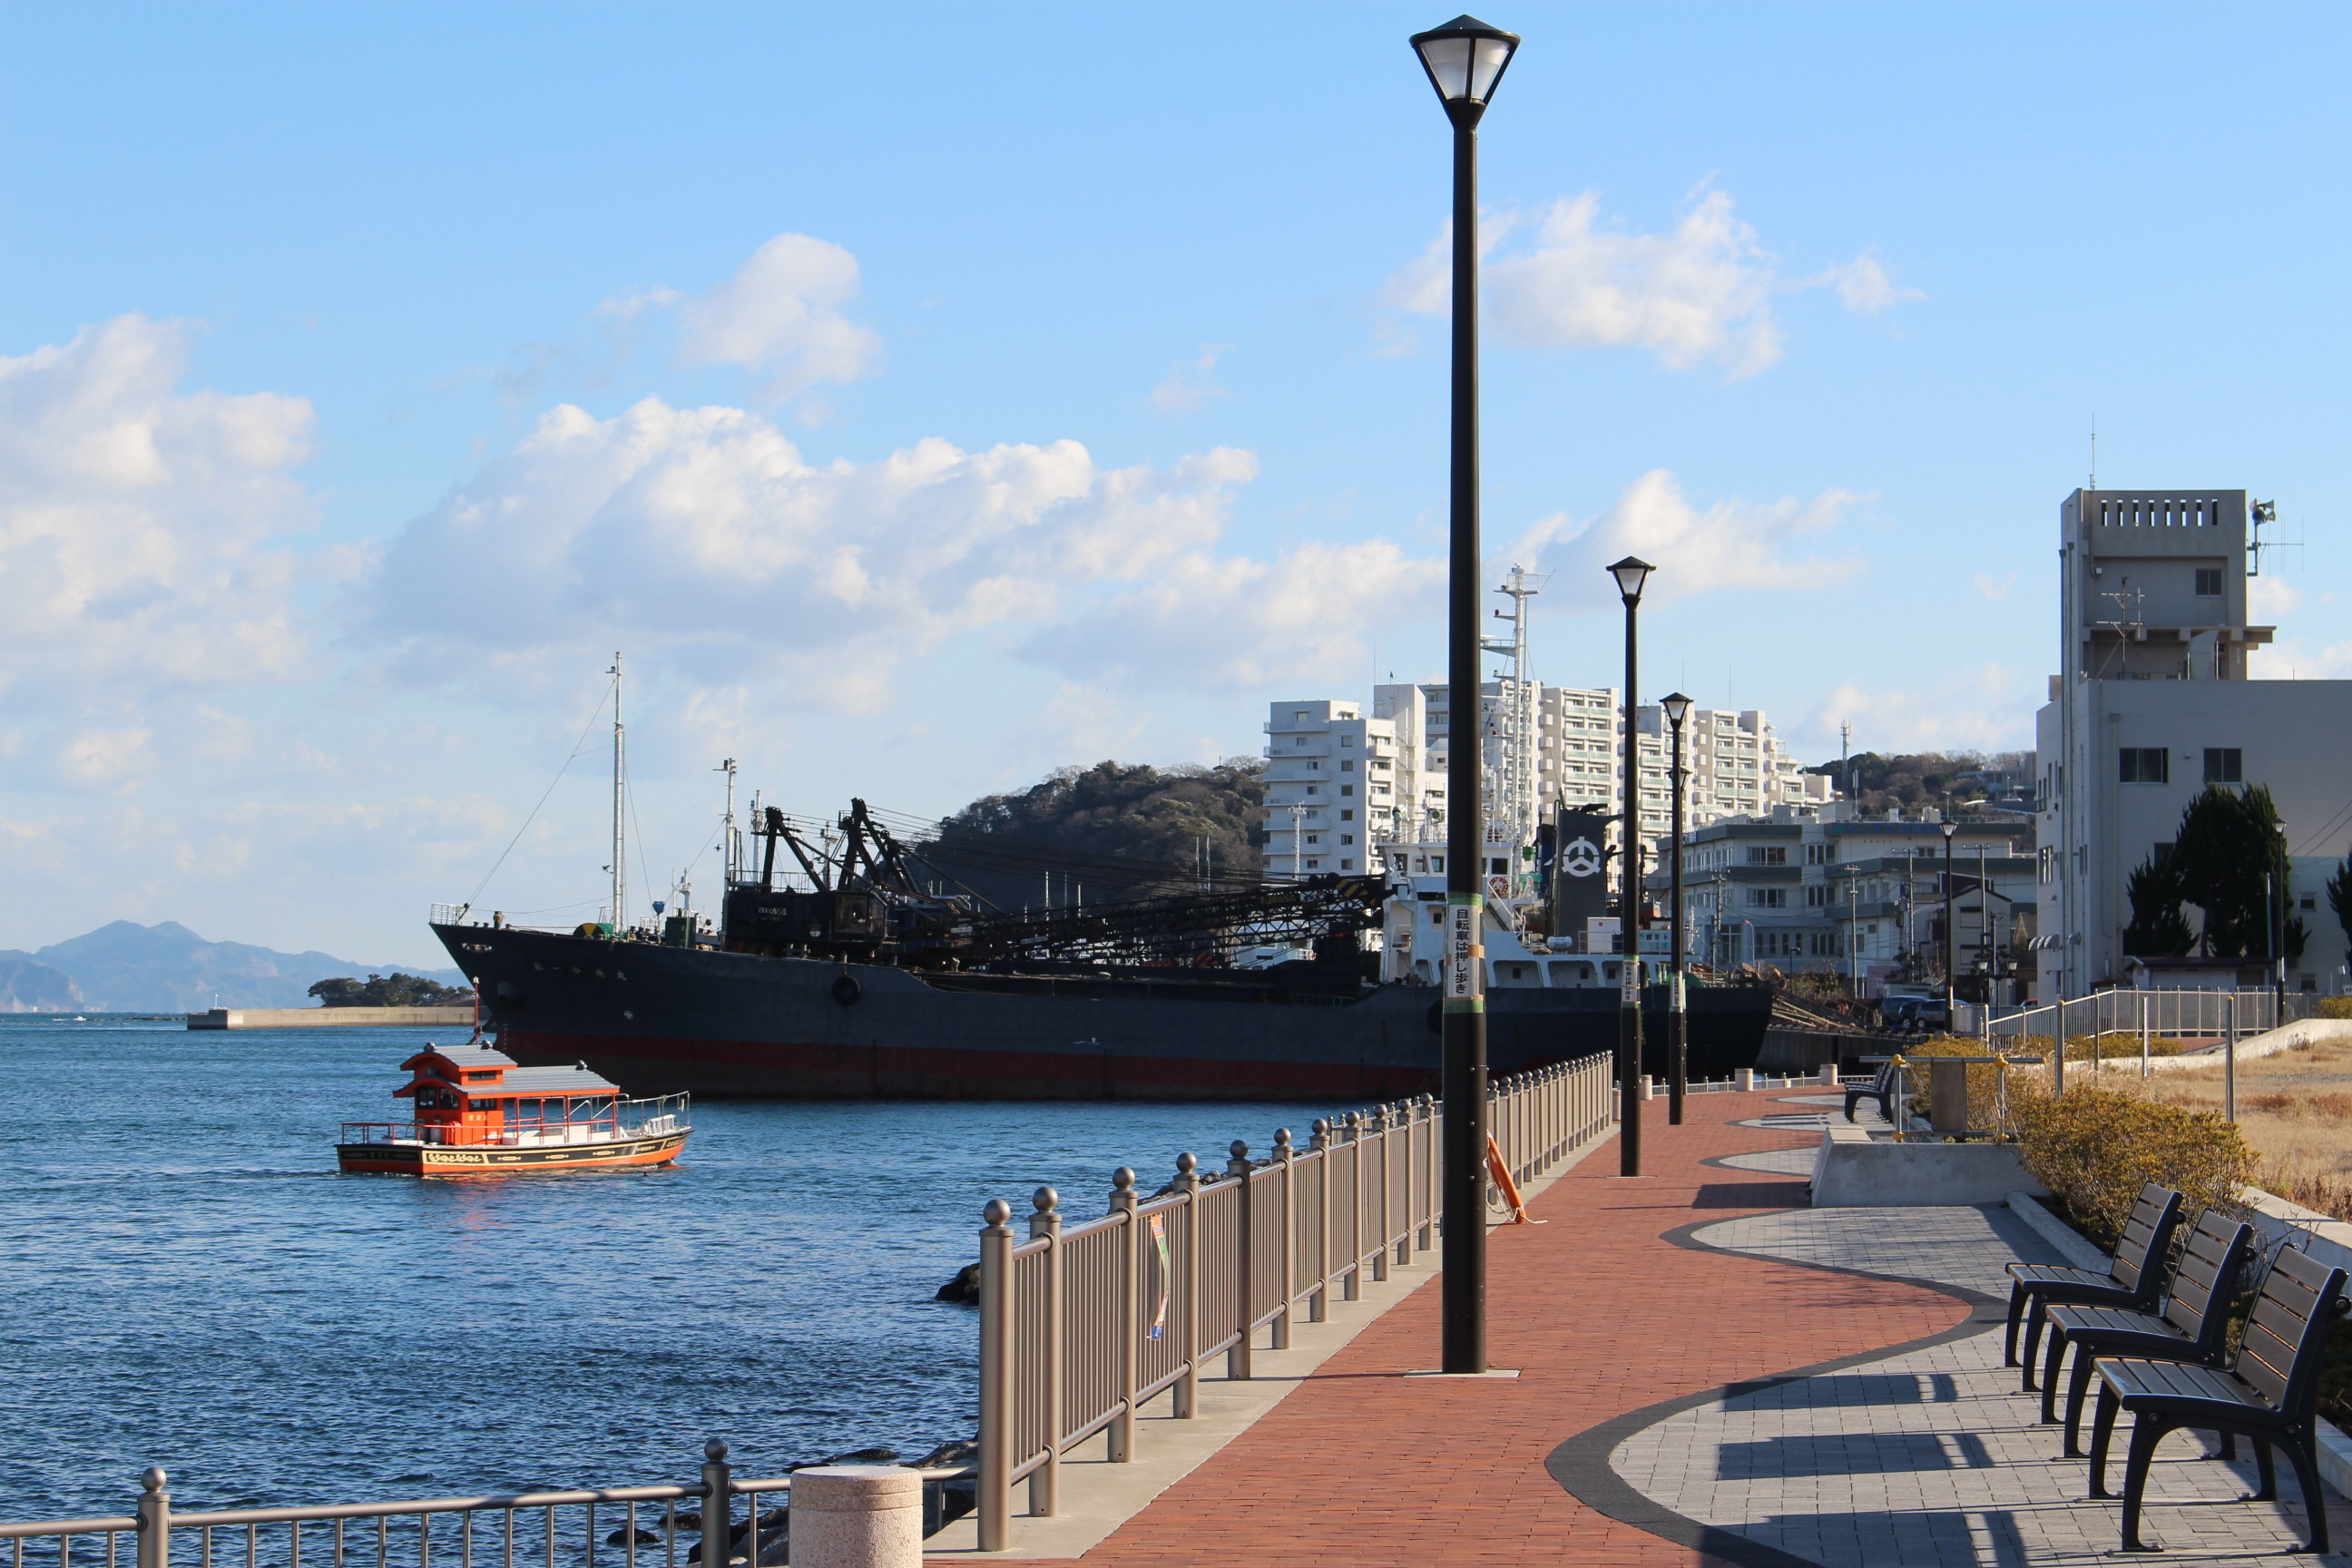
point(437, 1068)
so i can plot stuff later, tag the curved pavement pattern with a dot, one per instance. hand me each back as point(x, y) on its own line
point(1930, 1455)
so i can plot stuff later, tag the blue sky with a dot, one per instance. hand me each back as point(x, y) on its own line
point(926, 397)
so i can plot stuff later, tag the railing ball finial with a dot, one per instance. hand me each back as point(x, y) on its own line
point(1045, 1200)
point(1322, 1125)
point(153, 1477)
point(1122, 1179)
point(1238, 1149)
point(1186, 1163)
point(715, 1449)
point(1281, 1137)
point(997, 1212)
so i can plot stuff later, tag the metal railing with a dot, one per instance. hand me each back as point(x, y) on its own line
point(651, 1118)
point(1081, 1325)
point(513, 1530)
point(2165, 1013)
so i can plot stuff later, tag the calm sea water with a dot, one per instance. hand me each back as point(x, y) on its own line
point(186, 1280)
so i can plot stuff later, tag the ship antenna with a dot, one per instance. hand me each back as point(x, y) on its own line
point(620, 805)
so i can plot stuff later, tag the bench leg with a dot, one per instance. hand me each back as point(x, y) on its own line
point(2265, 1468)
point(2016, 1311)
point(2300, 1454)
point(2035, 1320)
point(2052, 1364)
point(2078, 1385)
point(2103, 1433)
point(2147, 1431)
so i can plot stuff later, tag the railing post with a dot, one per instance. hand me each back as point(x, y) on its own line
point(1045, 1480)
point(1320, 1143)
point(1237, 1359)
point(1186, 1398)
point(154, 1520)
point(995, 1376)
point(1351, 1288)
point(1126, 1314)
point(1384, 1223)
point(1286, 1156)
point(718, 1507)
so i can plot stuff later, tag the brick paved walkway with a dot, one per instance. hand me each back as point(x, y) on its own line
point(1603, 1315)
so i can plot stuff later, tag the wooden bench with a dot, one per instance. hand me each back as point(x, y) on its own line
point(2132, 1278)
point(2268, 1392)
point(1887, 1088)
point(2194, 1326)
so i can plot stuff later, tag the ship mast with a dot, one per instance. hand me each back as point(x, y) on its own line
point(620, 805)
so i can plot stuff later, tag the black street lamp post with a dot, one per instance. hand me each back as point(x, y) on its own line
point(1631, 573)
point(1678, 709)
point(1465, 59)
point(1951, 1012)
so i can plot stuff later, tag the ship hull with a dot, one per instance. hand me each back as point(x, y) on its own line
point(659, 1019)
point(475, 1159)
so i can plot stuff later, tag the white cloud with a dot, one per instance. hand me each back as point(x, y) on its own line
point(2270, 600)
point(1304, 617)
point(1192, 384)
point(705, 532)
point(780, 313)
point(1994, 588)
point(1699, 294)
point(1730, 544)
point(142, 526)
point(1863, 285)
point(1989, 708)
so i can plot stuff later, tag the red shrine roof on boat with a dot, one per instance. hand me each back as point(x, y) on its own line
point(479, 1070)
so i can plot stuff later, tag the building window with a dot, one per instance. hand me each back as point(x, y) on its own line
point(1347, 838)
point(1347, 789)
point(1818, 854)
point(1314, 838)
point(1314, 865)
point(2146, 764)
point(1347, 816)
point(1768, 897)
point(1817, 897)
point(2225, 765)
point(1347, 740)
point(2208, 582)
point(1768, 854)
point(1346, 865)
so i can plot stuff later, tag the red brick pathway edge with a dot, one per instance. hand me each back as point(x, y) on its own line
point(1610, 1313)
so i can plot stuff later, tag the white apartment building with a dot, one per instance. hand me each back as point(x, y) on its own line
point(2155, 700)
point(1334, 780)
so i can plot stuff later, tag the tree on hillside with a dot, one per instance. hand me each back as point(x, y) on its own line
point(393, 990)
point(2228, 842)
point(1118, 826)
point(2158, 929)
point(2339, 896)
point(1948, 780)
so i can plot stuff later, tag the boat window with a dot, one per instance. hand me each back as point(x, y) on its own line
point(483, 1105)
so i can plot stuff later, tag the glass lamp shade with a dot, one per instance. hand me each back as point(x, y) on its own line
point(1678, 709)
point(1631, 573)
point(1950, 827)
point(1465, 59)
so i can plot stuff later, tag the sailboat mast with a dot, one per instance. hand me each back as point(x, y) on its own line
point(620, 805)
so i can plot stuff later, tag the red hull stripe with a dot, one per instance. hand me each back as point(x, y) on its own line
point(443, 1159)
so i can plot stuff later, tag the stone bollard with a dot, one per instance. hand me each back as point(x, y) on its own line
point(1645, 1086)
point(1745, 1080)
point(1829, 1075)
point(857, 1516)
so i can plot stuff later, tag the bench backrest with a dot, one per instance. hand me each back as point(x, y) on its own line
point(2285, 1337)
point(2204, 1288)
point(2148, 1235)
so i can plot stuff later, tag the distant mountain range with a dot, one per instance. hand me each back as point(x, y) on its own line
point(129, 968)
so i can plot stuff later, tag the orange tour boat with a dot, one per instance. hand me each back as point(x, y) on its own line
point(476, 1110)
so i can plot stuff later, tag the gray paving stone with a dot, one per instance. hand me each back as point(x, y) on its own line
point(1931, 1456)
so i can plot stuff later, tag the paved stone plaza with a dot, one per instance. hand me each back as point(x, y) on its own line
point(1708, 1372)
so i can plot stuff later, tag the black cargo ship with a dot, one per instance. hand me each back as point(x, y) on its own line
point(863, 985)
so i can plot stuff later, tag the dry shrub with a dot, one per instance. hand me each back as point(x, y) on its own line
point(1985, 1096)
point(2333, 1007)
point(2331, 1196)
point(2322, 1107)
point(2095, 1148)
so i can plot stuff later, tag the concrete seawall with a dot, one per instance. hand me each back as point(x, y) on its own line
point(332, 1017)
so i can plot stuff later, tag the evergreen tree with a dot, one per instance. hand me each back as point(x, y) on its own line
point(2158, 929)
point(2339, 896)
point(2229, 841)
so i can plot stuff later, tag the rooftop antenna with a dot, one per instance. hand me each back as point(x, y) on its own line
point(1845, 755)
point(2095, 451)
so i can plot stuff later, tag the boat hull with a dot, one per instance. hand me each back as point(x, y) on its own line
point(730, 1023)
point(474, 1159)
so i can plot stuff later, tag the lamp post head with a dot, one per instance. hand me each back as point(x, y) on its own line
point(1950, 827)
point(1677, 706)
point(1465, 59)
point(1631, 573)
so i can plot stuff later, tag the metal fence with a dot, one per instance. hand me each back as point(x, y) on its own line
point(524, 1529)
point(1081, 1324)
point(2160, 1013)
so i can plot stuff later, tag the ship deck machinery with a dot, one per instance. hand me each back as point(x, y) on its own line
point(866, 984)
